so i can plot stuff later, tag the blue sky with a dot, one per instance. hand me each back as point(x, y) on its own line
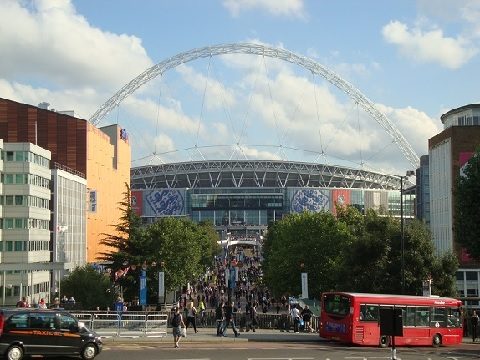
point(413, 59)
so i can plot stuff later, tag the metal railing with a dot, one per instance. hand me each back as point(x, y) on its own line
point(156, 324)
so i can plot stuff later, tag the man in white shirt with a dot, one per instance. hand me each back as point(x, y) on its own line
point(295, 315)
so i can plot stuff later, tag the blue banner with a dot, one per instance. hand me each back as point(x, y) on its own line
point(143, 288)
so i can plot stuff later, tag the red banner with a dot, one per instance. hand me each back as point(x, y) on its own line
point(137, 201)
point(340, 197)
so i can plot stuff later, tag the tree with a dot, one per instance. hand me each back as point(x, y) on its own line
point(89, 287)
point(373, 261)
point(306, 242)
point(467, 207)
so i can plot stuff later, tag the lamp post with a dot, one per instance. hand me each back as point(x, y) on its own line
point(402, 228)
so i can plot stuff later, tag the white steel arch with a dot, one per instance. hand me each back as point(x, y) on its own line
point(261, 50)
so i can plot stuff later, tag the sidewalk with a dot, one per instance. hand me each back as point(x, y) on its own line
point(209, 335)
point(205, 335)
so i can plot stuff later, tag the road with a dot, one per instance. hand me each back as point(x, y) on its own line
point(279, 351)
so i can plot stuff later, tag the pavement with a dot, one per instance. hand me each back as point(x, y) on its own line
point(209, 335)
point(206, 335)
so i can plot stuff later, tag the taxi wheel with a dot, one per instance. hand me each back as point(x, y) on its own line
point(14, 352)
point(89, 352)
point(437, 340)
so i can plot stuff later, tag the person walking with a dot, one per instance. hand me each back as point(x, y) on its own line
point(230, 319)
point(307, 316)
point(191, 314)
point(177, 325)
point(220, 318)
point(474, 322)
point(23, 303)
point(295, 315)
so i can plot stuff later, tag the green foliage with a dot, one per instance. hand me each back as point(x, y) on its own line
point(307, 242)
point(178, 247)
point(467, 207)
point(89, 288)
point(354, 252)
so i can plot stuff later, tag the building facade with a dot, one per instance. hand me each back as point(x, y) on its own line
point(69, 219)
point(448, 152)
point(25, 222)
point(101, 156)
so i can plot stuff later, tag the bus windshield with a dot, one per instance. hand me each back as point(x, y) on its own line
point(335, 304)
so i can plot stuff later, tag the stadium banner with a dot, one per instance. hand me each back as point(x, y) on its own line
point(376, 200)
point(137, 201)
point(165, 202)
point(340, 197)
point(309, 199)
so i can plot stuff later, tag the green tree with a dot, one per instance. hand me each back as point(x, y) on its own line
point(373, 261)
point(89, 287)
point(467, 207)
point(306, 242)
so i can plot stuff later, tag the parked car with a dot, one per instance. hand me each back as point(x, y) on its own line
point(29, 331)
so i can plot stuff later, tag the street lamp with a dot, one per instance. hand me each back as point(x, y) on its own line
point(402, 232)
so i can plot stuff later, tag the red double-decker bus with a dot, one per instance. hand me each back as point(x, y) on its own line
point(355, 318)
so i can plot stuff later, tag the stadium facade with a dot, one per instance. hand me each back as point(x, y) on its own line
point(241, 197)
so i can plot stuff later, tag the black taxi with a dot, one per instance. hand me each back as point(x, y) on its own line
point(28, 331)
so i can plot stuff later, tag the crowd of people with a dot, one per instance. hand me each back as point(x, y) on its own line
point(231, 289)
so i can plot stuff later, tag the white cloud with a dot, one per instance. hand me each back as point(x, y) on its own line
point(416, 126)
point(275, 7)
point(429, 46)
point(216, 95)
point(50, 42)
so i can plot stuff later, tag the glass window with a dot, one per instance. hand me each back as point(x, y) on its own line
point(67, 322)
point(9, 246)
point(20, 156)
point(369, 313)
point(9, 200)
point(422, 316)
point(18, 321)
point(19, 200)
point(454, 318)
point(336, 304)
point(472, 275)
point(19, 223)
point(8, 178)
point(8, 223)
point(9, 155)
point(409, 316)
point(460, 275)
point(439, 317)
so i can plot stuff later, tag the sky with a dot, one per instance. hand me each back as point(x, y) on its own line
point(413, 60)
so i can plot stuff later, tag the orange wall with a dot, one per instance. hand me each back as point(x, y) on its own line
point(107, 175)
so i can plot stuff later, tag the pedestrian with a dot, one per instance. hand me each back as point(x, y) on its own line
point(191, 313)
point(22, 303)
point(295, 316)
point(474, 321)
point(220, 318)
point(307, 316)
point(230, 319)
point(42, 304)
point(177, 325)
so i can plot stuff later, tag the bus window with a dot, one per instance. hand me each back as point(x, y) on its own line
point(439, 317)
point(368, 312)
point(453, 319)
point(335, 304)
point(422, 316)
point(409, 316)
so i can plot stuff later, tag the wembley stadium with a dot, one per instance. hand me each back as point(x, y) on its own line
point(225, 178)
point(242, 197)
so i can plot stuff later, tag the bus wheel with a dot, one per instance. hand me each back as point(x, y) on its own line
point(437, 340)
point(384, 341)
